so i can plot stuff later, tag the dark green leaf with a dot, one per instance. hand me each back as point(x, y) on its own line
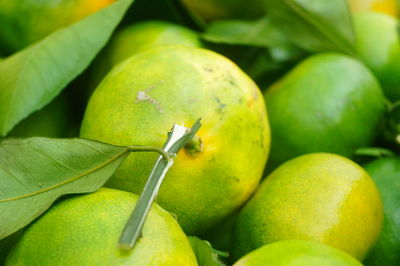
point(205, 254)
point(244, 32)
point(374, 152)
point(315, 25)
point(31, 78)
point(35, 172)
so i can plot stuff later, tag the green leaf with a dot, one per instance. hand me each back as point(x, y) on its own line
point(374, 152)
point(205, 254)
point(246, 32)
point(35, 172)
point(31, 78)
point(315, 25)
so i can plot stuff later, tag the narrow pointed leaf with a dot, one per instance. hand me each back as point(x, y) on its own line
point(35, 172)
point(259, 33)
point(31, 78)
point(315, 25)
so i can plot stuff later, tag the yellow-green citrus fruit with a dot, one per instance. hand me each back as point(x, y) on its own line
point(85, 231)
point(388, 7)
point(53, 121)
point(139, 37)
point(26, 21)
point(224, 9)
point(328, 103)
point(378, 45)
point(386, 173)
point(140, 100)
point(318, 197)
point(297, 253)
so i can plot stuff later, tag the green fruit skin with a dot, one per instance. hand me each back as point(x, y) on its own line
point(185, 84)
point(84, 230)
point(319, 197)
point(137, 38)
point(225, 9)
point(24, 22)
point(297, 253)
point(378, 45)
point(386, 173)
point(328, 103)
point(53, 121)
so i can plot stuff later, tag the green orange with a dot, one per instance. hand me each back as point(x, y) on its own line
point(319, 197)
point(139, 37)
point(378, 46)
point(84, 230)
point(386, 173)
point(140, 100)
point(297, 253)
point(327, 103)
point(26, 21)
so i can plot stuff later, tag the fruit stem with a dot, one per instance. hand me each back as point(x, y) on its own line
point(178, 137)
point(136, 148)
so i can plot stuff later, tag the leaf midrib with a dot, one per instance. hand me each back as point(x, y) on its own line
point(324, 30)
point(69, 180)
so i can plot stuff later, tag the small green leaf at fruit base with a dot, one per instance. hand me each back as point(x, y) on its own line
point(205, 254)
point(31, 78)
point(316, 26)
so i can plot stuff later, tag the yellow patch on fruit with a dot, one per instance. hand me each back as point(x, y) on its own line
point(388, 7)
point(89, 7)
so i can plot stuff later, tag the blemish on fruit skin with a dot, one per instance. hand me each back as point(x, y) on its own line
point(208, 69)
point(221, 106)
point(143, 96)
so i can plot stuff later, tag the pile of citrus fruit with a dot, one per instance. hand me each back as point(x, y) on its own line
point(296, 162)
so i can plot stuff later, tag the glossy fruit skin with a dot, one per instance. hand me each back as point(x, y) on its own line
point(327, 103)
point(225, 9)
point(24, 22)
point(139, 37)
point(140, 100)
point(386, 173)
point(378, 46)
point(388, 7)
point(297, 253)
point(320, 197)
point(84, 230)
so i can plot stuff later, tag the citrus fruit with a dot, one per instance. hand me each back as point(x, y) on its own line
point(139, 37)
point(378, 46)
point(385, 173)
point(224, 9)
point(320, 197)
point(26, 21)
point(327, 103)
point(85, 230)
point(53, 121)
point(141, 98)
point(297, 253)
point(388, 7)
